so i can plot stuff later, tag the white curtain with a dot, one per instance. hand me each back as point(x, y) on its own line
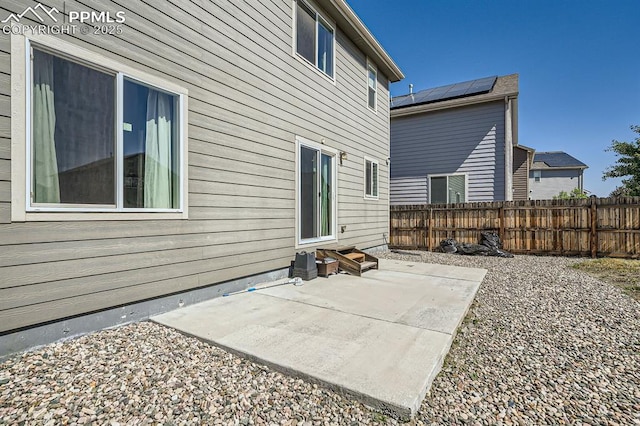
point(157, 165)
point(46, 188)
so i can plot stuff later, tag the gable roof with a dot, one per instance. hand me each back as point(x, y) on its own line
point(556, 160)
point(470, 92)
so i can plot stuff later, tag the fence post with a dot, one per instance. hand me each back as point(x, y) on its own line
point(501, 221)
point(594, 227)
point(430, 230)
point(390, 227)
point(425, 226)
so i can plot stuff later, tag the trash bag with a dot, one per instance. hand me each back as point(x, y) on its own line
point(449, 245)
point(490, 239)
point(490, 245)
point(474, 249)
point(500, 253)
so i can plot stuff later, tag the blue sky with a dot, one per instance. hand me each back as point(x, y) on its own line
point(578, 63)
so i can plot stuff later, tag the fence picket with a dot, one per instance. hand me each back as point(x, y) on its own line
point(592, 227)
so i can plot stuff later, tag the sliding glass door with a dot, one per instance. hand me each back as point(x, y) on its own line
point(316, 194)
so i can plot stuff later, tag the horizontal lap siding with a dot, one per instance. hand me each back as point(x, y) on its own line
point(552, 182)
point(409, 190)
point(520, 174)
point(461, 140)
point(248, 99)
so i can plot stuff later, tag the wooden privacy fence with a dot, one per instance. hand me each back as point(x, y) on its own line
point(591, 227)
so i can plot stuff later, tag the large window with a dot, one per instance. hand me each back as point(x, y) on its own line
point(101, 140)
point(316, 192)
point(372, 85)
point(447, 189)
point(314, 38)
point(370, 178)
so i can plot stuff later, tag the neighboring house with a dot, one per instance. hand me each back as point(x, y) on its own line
point(458, 143)
point(522, 162)
point(178, 148)
point(553, 172)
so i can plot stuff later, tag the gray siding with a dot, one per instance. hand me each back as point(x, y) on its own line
point(409, 190)
point(520, 174)
point(248, 99)
point(461, 140)
point(553, 181)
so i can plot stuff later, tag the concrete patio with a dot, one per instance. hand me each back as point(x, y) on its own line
point(381, 337)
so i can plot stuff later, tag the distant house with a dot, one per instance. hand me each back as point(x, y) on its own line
point(522, 162)
point(192, 152)
point(553, 172)
point(458, 143)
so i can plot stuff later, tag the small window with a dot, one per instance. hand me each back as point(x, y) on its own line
point(537, 174)
point(372, 86)
point(370, 178)
point(314, 38)
point(447, 189)
point(101, 140)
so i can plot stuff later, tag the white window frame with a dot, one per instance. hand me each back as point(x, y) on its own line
point(300, 142)
point(372, 66)
point(447, 175)
point(364, 178)
point(537, 175)
point(327, 23)
point(21, 207)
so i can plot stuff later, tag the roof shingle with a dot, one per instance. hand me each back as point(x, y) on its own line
point(558, 159)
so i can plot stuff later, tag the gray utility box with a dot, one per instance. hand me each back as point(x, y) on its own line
point(305, 266)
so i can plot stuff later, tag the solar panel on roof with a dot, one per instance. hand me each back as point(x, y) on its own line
point(558, 159)
point(405, 100)
point(482, 85)
point(458, 89)
point(421, 96)
point(433, 96)
point(450, 91)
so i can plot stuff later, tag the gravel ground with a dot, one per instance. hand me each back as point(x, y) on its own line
point(543, 344)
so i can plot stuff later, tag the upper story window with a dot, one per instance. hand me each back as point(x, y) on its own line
point(537, 174)
point(314, 38)
point(372, 86)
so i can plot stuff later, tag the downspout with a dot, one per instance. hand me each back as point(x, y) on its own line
point(508, 151)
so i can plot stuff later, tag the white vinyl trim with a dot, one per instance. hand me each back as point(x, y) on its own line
point(447, 175)
point(326, 22)
point(377, 177)
point(21, 207)
point(321, 149)
point(372, 67)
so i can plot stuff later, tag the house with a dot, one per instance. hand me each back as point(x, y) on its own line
point(155, 157)
point(553, 172)
point(458, 143)
point(522, 162)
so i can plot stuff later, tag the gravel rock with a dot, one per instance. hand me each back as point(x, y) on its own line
point(542, 344)
point(148, 374)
